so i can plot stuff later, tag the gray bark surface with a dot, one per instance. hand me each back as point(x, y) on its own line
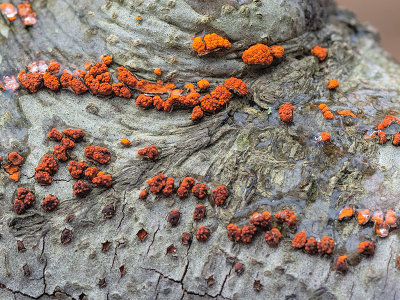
point(267, 165)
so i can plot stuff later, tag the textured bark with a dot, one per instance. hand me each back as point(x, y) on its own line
point(266, 165)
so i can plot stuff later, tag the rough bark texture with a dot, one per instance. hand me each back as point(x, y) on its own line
point(265, 164)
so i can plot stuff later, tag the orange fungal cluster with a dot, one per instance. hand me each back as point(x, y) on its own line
point(319, 52)
point(333, 84)
point(286, 112)
point(210, 42)
point(150, 152)
point(12, 167)
point(25, 199)
point(261, 54)
point(326, 112)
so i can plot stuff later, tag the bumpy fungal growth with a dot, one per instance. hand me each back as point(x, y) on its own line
point(210, 42)
point(391, 218)
point(366, 248)
point(197, 113)
point(31, 81)
point(60, 152)
point(328, 115)
point(220, 194)
point(341, 264)
point(67, 143)
point(51, 81)
point(158, 71)
point(258, 54)
point(76, 134)
point(43, 178)
point(157, 183)
point(144, 101)
point(185, 186)
point(76, 168)
point(389, 119)
point(299, 240)
point(173, 217)
point(319, 52)
point(143, 194)
point(382, 137)
point(24, 200)
point(9, 10)
point(81, 189)
point(27, 14)
point(214, 101)
point(150, 152)
point(234, 232)
point(203, 233)
point(199, 212)
point(53, 67)
point(286, 216)
point(102, 181)
point(101, 155)
point(126, 77)
point(203, 84)
point(382, 229)
point(346, 212)
point(346, 113)
point(324, 137)
point(49, 203)
point(107, 59)
point(333, 84)
point(262, 220)
point(91, 173)
point(286, 112)
point(236, 85)
point(272, 237)
point(126, 142)
point(326, 245)
point(363, 216)
point(248, 232)
point(200, 190)
point(277, 51)
point(396, 139)
point(169, 187)
point(120, 90)
point(54, 134)
point(311, 246)
point(15, 158)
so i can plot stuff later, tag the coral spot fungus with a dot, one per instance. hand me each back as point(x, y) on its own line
point(333, 84)
point(197, 113)
point(54, 134)
point(286, 112)
point(120, 90)
point(261, 220)
point(143, 194)
point(24, 200)
point(328, 115)
point(391, 218)
point(382, 137)
point(346, 113)
point(326, 245)
point(173, 217)
point(203, 233)
point(366, 248)
point(272, 237)
point(210, 42)
point(81, 189)
point(158, 71)
point(76, 168)
point(258, 54)
point(15, 158)
point(150, 152)
point(185, 186)
point(102, 181)
point(200, 190)
point(324, 137)
point(346, 212)
point(169, 187)
point(299, 240)
point(27, 14)
point(248, 232)
point(396, 139)
point(49, 203)
point(203, 84)
point(234, 232)
point(341, 264)
point(311, 246)
point(319, 52)
point(101, 155)
point(363, 216)
point(126, 142)
point(220, 194)
point(9, 10)
point(31, 81)
point(286, 216)
point(199, 212)
point(236, 85)
point(157, 183)
point(76, 134)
